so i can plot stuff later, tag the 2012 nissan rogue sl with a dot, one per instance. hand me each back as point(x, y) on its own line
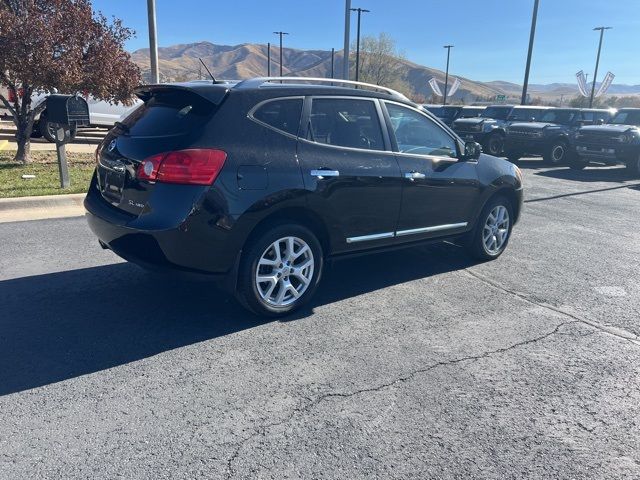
point(257, 183)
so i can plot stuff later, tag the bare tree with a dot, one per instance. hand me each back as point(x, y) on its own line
point(382, 64)
point(63, 45)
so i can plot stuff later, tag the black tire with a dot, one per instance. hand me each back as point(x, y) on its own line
point(248, 292)
point(577, 163)
point(633, 167)
point(47, 130)
point(557, 153)
point(494, 145)
point(475, 243)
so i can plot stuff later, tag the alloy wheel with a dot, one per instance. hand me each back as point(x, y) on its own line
point(557, 153)
point(496, 230)
point(284, 271)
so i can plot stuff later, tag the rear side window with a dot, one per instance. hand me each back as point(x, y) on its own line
point(282, 114)
point(169, 113)
point(345, 122)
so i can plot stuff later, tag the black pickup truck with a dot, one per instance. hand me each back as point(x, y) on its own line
point(614, 143)
point(552, 136)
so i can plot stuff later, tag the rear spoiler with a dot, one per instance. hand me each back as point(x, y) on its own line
point(212, 92)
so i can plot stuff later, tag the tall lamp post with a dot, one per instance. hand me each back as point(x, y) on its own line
point(532, 35)
point(446, 75)
point(281, 34)
point(595, 72)
point(360, 12)
point(153, 40)
point(268, 59)
point(347, 28)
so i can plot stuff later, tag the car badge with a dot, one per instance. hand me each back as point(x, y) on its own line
point(112, 146)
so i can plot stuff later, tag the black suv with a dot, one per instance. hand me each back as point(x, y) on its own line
point(259, 182)
point(551, 136)
point(487, 129)
point(617, 142)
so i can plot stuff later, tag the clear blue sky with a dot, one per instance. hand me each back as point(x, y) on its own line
point(490, 36)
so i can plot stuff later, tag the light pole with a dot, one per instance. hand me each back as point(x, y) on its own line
point(281, 34)
point(333, 53)
point(446, 75)
point(532, 35)
point(347, 28)
point(595, 72)
point(360, 12)
point(268, 59)
point(153, 40)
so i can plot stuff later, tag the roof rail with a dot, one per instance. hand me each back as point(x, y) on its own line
point(259, 81)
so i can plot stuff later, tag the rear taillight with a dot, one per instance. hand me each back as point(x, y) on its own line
point(196, 166)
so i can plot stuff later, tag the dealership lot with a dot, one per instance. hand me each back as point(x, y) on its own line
point(415, 363)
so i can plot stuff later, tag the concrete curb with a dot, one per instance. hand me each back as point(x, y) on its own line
point(41, 207)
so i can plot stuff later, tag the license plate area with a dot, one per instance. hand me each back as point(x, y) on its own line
point(112, 185)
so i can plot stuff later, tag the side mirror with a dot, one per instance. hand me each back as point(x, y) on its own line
point(472, 151)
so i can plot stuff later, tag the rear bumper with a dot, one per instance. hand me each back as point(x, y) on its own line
point(190, 246)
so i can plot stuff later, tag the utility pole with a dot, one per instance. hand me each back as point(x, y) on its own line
point(446, 75)
point(360, 12)
point(153, 41)
point(532, 34)
point(268, 59)
point(347, 28)
point(281, 34)
point(595, 72)
point(333, 53)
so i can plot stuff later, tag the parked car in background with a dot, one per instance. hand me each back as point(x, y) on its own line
point(446, 113)
point(617, 142)
point(551, 136)
point(487, 129)
point(258, 183)
point(471, 111)
point(101, 114)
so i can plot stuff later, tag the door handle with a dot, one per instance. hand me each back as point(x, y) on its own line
point(415, 176)
point(325, 173)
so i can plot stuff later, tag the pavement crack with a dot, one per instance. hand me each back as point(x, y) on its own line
point(311, 403)
point(616, 332)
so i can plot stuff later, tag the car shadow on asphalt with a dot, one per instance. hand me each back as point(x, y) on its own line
point(58, 326)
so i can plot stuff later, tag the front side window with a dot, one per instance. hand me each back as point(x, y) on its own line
point(281, 114)
point(418, 135)
point(345, 122)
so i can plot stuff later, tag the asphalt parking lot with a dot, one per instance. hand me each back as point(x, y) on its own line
point(412, 364)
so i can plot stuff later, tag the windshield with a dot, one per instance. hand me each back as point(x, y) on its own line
point(449, 112)
point(627, 117)
point(563, 117)
point(523, 114)
point(499, 113)
point(471, 112)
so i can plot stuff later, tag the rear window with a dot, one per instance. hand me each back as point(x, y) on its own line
point(168, 113)
point(281, 114)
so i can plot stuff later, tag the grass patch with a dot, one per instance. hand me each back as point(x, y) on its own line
point(45, 168)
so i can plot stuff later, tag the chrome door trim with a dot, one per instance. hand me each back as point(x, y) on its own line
point(325, 173)
point(435, 228)
point(375, 236)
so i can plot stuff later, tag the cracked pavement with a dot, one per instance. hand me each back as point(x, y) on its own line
point(410, 364)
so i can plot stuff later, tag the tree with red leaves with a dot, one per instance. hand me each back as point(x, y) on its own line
point(62, 45)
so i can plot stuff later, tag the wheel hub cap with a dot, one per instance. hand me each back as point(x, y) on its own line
point(496, 230)
point(284, 271)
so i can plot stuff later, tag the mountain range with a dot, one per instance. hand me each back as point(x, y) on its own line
point(181, 62)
